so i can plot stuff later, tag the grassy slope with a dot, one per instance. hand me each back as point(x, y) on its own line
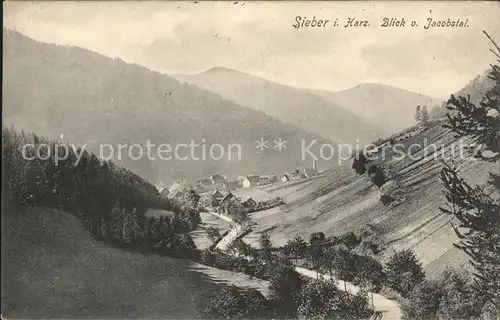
point(339, 201)
point(54, 269)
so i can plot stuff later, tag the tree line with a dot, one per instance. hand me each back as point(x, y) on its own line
point(109, 200)
point(291, 296)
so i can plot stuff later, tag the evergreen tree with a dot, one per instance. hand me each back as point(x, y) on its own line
point(424, 117)
point(477, 212)
point(417, 114)
point(359, 163)
point(480, 120)
point(478, 215)
point(404, 271)
point(266, 246)
point(115, 221)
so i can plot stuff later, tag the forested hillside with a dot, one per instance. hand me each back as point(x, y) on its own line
point(110, 201)
point(92, 99)
point(295, 106)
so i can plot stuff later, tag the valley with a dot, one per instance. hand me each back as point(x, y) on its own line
point(286, 180)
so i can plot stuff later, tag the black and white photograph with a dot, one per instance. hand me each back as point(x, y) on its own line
point(251, 160)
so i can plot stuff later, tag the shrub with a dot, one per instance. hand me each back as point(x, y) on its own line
point(317, 300)
point(226, 304)
point(285, 283)
point(450, 297)
point(316, 237)
point(386, 200)
point(352, 307)
point(254, 301)
point(359, 163)
point(377, 175)
point(423, 302)
point(295, 248)
point(459, 300)
point(350, 240)
point(208, 257)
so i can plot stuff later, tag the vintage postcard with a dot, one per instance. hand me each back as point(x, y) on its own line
point(251, 160)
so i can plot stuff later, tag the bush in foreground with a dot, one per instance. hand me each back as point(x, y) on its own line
point(321, 299)
point(230, 303)
point(404, 271)
point(449, 297)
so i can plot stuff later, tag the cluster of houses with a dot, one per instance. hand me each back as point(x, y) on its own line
point(225, 201)
point(219, 182)
point(217, 192)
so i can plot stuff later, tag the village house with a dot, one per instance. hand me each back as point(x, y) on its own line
point(217, 196)
point(251, 181)
point(176, 189)
point(249, 203)
point(157, 213)
point(267, 179)
point(231, 185)
point(210, 184)
point(204, 183)
point(228, 204)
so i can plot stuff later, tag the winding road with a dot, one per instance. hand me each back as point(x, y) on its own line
point(385, 308)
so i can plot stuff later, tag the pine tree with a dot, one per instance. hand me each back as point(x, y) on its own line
point(266, 246)
point(126, 235)
point(478, 230)
point(136, 227)
point(404, 271)
point(116, 222)
point(424, 117)
point(478, 213)
point(479, 120)
point(417, 114)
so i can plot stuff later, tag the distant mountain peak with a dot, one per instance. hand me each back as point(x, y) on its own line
point(219, 69)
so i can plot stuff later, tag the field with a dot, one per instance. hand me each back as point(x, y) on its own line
point(339, 201)
point(56, 270)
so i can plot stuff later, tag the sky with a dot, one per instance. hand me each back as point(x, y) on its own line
point(258, 38)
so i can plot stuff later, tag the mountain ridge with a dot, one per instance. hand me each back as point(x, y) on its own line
point(380, 103)
point(89, 98)
point(296, 106)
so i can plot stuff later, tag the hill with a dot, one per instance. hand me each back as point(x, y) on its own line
point(86, 98)
point(380, 104)
point(57, 271)
point(476, 88)
point(295, 106)
point(339, 201)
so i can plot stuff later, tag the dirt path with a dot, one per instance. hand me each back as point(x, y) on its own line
point(387, 308)
point(217, 275)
